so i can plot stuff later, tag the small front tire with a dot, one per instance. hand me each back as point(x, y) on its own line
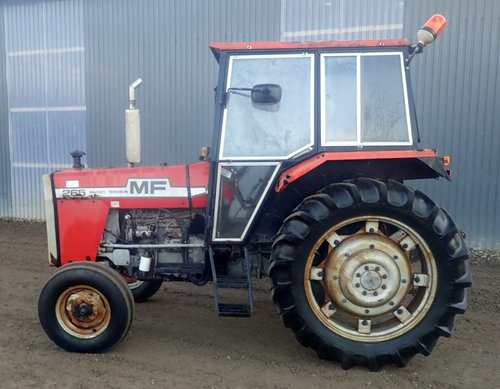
point(86, 307)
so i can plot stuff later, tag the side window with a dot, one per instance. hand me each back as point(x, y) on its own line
point(241, 188)
point(340, 99)
point(280, 130)
point(364, 100)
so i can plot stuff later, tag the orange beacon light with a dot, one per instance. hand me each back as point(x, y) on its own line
point(431, 29)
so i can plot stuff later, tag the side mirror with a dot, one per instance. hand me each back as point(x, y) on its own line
point(265, 97)
point(266, 94)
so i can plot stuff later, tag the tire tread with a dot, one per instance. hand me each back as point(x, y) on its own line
point(338, 198)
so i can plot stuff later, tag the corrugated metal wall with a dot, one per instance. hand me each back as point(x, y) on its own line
point(46, 96)
point(341, 19)
point(5, 186)
point(166, 44)
point(457, 89)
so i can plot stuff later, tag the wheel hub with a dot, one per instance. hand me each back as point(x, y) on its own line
point(370, 280)
point(83, 311)
point(367, 275)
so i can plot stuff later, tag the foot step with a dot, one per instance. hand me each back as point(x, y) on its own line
point(234, 310)
point(224, 281)
point(232, 282)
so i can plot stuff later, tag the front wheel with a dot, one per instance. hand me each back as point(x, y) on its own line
point(86, 307)
point(369, 273)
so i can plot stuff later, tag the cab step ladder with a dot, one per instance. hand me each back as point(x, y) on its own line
point(223, 281)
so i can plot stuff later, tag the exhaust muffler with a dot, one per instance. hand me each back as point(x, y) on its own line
point(133, 127)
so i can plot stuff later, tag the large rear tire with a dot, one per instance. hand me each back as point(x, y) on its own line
point(369, 273)
point(86, 307)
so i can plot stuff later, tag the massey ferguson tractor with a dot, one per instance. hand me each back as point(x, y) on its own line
point(304, 183)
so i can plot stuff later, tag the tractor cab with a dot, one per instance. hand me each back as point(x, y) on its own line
point(280, 104)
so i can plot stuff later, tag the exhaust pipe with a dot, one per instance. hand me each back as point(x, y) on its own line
point(133, 127)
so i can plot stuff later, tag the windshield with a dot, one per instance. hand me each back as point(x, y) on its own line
point(280, 130)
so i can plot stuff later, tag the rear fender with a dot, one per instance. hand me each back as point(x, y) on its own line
point(313, 174)
point(409, 164)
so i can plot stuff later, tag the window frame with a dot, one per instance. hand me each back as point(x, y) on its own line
point(311, 142)
point(217, 210)
point(358, 142)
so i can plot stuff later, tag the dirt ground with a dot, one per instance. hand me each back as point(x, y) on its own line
point(176, 339)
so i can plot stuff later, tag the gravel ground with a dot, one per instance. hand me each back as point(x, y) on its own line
point(176, 339)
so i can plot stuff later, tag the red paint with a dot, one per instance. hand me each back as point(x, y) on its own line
point(227, 193)
point(297, 171)
point(118, 177)
point(82, 221)
point(218, 47)
point(81, 224)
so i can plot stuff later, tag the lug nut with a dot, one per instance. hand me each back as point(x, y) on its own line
point(391, 303)
point(403, 281)
point(384, 287)
point(377, 268)
point(372, 246)
point(367, 311)
point(364, 293)
point(367, 268)
point(399, 311)
point(384, 276)
point(344, 301)
point(358, 275)
point(358, 285)
point(335, 277)
point(375, 293)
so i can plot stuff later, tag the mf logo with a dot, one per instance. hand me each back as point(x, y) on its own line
point(147, 187)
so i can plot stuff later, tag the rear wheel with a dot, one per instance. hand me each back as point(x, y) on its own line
point(369, 273)
point(85, 307)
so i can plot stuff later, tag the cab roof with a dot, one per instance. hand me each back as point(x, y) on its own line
point(273, 46)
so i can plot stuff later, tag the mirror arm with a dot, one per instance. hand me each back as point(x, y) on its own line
point(415, 48)
point(224, 97)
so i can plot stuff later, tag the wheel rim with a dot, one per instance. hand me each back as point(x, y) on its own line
point(135, 284)
point(370, 278)
point(83, 311)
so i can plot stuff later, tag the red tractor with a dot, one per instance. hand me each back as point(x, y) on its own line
point(303, 183)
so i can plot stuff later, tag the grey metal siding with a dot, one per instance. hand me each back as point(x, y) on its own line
point(341, 19)
point(5, 187)
point(166, 44)
point(46, 99)
point(457, 89)
point(456, 84)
